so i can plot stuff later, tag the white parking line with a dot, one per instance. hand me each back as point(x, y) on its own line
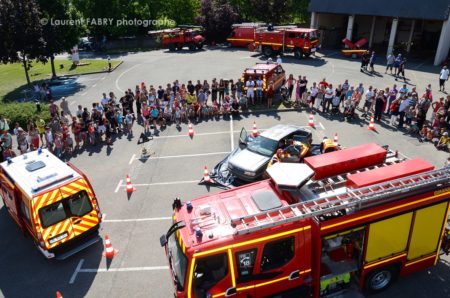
point(163, 183)
point(121, 75)
point(75, 273)
point(118, 186)
point(138, 219)
point(104, 270)
point(95, 85)
point(83, 94)
point(321, 126)
point(231, 132)
point(78, 270)
point(131, 159)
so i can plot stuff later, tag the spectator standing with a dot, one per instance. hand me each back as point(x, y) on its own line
point(436, 106)
point(401, 70)
point(250, 84)
point(259, 89)
point(314, 91)
point(328, 98)
point(380, 102)
point(239, 88)
point(64, 105)
point(279, 61)
point(221, 90)
point(214, 89)
point(372, 61)
point(290, 83)
point(270, 93)
point(443, 77)
point(370, 96)
point(390, 62)
point(303, 85)
point(397, 62)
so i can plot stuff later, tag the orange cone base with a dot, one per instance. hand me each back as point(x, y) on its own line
point(111, 254)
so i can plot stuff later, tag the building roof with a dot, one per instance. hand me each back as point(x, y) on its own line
point(413, 9)
point(36, 172)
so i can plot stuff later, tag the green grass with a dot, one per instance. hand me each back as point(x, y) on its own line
point(13, 80)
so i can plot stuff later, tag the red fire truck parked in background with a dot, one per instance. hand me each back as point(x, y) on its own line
point(301, 41)
point(361, 216)
point(243, 34)
point(183, 36)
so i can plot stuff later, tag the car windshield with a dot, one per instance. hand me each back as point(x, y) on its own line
point(263, 145)
point(77, 205)
point(177, 260)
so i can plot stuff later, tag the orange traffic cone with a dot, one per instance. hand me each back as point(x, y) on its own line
point(190, 130)
point(109, 252)
point(336, 140)
point(130, 188)
point(58, 295)
point(206, 177)
point(255, 130)
point(311, 120)
point(371, 124)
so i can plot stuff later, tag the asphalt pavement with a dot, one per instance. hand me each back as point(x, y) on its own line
point(175, 166)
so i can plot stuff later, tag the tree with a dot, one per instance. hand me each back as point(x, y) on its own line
point(272, 11)
point(181, 11)
point(21, 33)
point(217, 16)
point(58, 38)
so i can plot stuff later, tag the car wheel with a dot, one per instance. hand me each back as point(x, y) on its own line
point(379, 280)
point(267, 51)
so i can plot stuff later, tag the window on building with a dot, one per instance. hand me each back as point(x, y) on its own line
point(277, 253)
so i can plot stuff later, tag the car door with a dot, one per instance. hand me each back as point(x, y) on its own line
point(211, 276)
point(244, 264)
point(243, 138)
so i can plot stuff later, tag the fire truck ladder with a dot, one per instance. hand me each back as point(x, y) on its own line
point(353, 200)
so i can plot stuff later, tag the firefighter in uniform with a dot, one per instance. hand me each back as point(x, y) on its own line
point(327, 145)
point(277, 157)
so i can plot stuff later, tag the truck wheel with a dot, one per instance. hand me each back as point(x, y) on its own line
point(306, 55)
point(192, 47)
point(298, 53)
point(200, 46)
point(379, 280)
point(172, 47)
point(179, 47)
point(267, 51)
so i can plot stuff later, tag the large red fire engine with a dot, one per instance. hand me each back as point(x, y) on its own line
point(301, 41)
point(361, 216)
point(183, 36)
point(243, 34)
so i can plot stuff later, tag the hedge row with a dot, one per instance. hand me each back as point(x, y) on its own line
point(22, 112)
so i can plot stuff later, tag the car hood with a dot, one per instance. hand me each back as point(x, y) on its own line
point(248, 161)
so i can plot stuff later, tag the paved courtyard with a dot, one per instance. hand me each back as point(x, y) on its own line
point(134, 224)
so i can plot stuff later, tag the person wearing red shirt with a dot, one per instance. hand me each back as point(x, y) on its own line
point(323, 83)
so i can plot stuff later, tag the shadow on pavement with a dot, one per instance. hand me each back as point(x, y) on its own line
point(27, 273)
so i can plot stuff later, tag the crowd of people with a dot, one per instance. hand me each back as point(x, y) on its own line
point(153, 108)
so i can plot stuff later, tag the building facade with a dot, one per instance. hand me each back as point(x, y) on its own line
point(413, 26)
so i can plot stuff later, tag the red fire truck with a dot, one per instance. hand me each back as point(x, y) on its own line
point(183, 36)
point(361, 216)
point(301, 41)
point(243, 34)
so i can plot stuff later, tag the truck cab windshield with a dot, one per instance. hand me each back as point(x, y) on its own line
point(177, 260)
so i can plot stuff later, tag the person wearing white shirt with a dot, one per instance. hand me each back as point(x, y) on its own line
point(328, 97)
point(105, 100)
point(370, 95)
point(250, 84)
point(279, 61)
point(314, 91)
point(443, 76)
